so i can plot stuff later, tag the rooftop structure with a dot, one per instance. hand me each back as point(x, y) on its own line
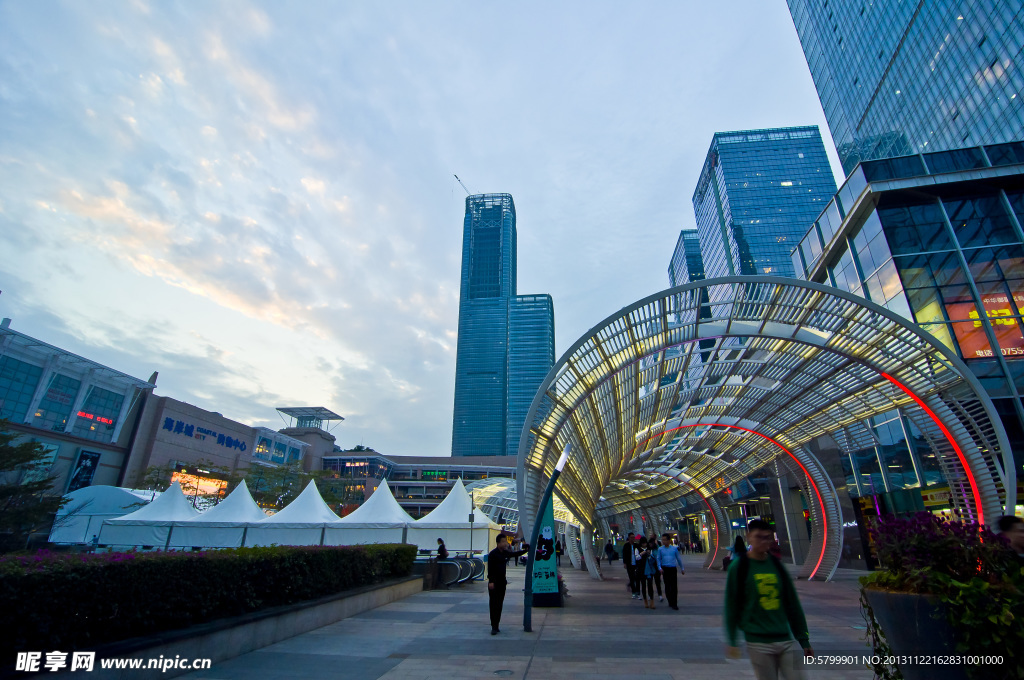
point(309, 416)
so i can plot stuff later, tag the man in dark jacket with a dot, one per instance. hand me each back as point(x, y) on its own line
point(627, 560)
point(496, 580)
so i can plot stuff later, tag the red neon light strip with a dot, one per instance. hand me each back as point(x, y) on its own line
point(824, 518)
point(949, 437)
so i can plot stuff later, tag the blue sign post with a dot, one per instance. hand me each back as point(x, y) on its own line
point(545, 566)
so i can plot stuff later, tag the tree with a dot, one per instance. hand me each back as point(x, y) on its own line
point(27, 499)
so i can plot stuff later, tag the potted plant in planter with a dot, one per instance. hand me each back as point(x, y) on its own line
point(944, 588)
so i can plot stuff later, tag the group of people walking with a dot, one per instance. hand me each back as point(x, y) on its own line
point(648, 563)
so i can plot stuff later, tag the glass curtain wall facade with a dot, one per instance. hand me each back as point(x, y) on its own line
point(896, 78)
point(531, 354)
point(687, 264)
point(937, 239)
point(506, 342)
point(758, 191)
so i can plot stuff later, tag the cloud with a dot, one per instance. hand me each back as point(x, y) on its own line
point(258, 200)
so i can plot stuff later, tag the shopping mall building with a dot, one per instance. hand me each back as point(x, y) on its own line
point(101, 426)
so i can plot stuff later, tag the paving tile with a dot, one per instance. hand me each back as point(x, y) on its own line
point(601, 634)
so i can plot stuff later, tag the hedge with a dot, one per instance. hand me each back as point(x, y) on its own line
point(67, 602)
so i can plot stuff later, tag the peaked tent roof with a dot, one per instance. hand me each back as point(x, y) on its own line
point(170, 506)
point(308, 508)
point(101, 499)
point(238, 507)
point(380, 510)
point(454, 511)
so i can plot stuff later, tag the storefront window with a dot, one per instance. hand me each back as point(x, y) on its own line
point(914, 227)
point(18, 382)
point(980, 220)
point(56, 404)
point(895, 454)
point(99, 414)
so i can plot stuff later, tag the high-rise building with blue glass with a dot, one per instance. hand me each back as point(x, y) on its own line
point(506, 341)
point(897, 78)
point(757, 192)
point(687, 264)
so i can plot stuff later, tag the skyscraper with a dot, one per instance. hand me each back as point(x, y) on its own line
point(757, 193)
point(896, 78)
point(687, 264)
point(506, 342)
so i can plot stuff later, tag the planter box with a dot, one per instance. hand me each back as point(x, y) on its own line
point(916, 625)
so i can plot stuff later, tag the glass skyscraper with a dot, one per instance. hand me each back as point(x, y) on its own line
point(937, 239)
point(687, 264)
point(757, 192)
point(506, 342)
point(897, 78)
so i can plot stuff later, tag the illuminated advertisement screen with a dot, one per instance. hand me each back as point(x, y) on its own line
point(971, 335)
point(196, 484)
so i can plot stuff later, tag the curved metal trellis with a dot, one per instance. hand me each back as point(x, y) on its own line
point(695, 388)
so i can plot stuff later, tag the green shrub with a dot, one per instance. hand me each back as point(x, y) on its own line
point(67, 602)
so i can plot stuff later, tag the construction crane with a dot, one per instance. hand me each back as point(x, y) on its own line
point(461, 184)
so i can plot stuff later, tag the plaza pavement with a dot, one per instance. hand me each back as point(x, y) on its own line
point(600, 635)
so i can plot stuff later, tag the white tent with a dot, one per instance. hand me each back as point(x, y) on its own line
point(150, 525)
point(223, 525)
point(379, 520)
point(83, 513)
point(301, 522)
point(449, 521)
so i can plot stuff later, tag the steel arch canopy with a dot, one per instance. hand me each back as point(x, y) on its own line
point(695, 388)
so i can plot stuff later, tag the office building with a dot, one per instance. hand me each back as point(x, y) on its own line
point(506, 341)
point(687, 264)
point(757, 192)
point(896, 78)
point(418, 483)
point(937, 239)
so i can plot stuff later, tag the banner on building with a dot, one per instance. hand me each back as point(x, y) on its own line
point(84, 470)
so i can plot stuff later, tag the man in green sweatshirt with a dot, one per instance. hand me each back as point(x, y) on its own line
point(760, 600)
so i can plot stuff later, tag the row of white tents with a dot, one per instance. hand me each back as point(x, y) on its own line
point(171, 522)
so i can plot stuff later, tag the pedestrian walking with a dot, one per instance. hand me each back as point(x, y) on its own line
point(646, 571)
point(628, 561)
point(652, 564)
point(761, 600)
point(559, 549)
point(609, 552)
point(497, 581)
point(670, 564)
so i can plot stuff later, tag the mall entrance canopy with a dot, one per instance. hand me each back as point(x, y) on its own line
point(691, 390)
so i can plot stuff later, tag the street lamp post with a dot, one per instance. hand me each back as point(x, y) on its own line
point(534, 536)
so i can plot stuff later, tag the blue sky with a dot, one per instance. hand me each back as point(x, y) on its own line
point(257, 201)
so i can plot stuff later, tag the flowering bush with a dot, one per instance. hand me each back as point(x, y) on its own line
point(966, 568)
point(78, 601)
point(920, 552)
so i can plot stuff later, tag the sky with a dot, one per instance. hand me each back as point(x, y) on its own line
point(257, 200)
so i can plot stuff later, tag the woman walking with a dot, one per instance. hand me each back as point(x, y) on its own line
point(643, 555)
point(652, 562)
